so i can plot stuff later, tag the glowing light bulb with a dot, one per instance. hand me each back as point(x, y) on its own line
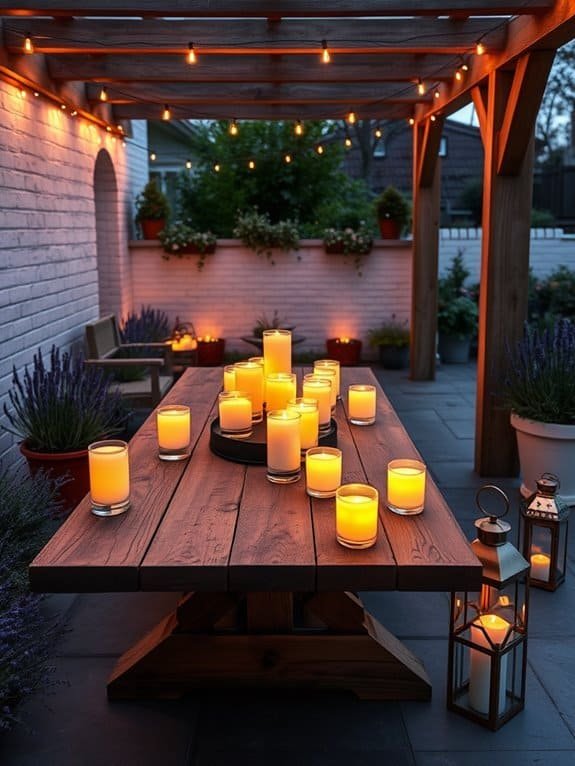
point(319, 149)
point(420, 87)
point(191, 58)
point(347, 142)
point(22, 93)
point(325, 56)
point(28, 45)
point(351, 117)
point(411, 121)
point(36, 94)
point(436, 93)
point(432, 118)
point(103, 94)
point(251, 165)
point(480, 48)
point(287, 159)
point(378, 133)
point(153, 156)
point(459, 74)
point(166, 114)
point(233, 129)
point(188, 164)
point(217, 167)
point(74, 113)
point(298, 129)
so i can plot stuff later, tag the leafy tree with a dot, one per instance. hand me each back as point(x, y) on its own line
point(557, 106)
point(303, 189)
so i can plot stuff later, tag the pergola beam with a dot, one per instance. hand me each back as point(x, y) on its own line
point(141, 111)
point(281, 8)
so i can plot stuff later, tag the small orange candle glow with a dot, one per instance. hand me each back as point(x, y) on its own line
point(489, 631)
point(540, 566)
point(323, 471)
point(184, 343)
point(406, 486)
point(356, 514)
point(174, 429)
point(109, 477)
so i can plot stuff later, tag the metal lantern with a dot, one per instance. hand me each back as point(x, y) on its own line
point(488, 631)
point(545, 520)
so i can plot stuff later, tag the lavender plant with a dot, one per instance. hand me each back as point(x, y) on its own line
point(63, 407)
point(540, 384)
point(149, 326)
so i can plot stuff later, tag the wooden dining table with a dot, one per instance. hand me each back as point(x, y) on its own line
point(269, 595)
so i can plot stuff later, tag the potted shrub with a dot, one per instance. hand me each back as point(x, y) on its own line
point(58, 411)
point(393, 213)
point(392, 340)
point(349, 241)
point(258, 233)
point(540, 391)
point(179, 239)
point(457, 314)
point(152, 210)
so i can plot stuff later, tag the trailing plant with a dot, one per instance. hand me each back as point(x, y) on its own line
point(152, 204)
point(263, 322)
point(178, 238)
point(392, 204)
point(350, 241)
point(540, 383)
point(63, 407)
point(258, 233)
point(391, 332)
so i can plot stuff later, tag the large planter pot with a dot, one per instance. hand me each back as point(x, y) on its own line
point(211, 353)
point(389, 229)
point(195, 250)
point(453, 350)
point(59, 464)
point(394, 357)
point(152, 227)
point(545, 447)
point(347, 353)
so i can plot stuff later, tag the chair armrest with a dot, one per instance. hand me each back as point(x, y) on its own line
point(125, 362)
point(160, 344)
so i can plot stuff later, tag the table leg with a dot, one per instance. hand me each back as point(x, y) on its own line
point(253, 639)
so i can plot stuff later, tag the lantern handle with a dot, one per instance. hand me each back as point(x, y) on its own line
point(552, 476)
point(492, 517)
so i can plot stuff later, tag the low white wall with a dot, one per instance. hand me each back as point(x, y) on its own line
point(322, 295)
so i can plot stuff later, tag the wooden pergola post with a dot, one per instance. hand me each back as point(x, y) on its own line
point(426, 211)
point(507, 109)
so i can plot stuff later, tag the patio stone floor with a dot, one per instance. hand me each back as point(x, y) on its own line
point(74, 724)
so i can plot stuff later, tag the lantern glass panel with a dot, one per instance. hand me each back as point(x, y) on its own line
point(539, 554)
point(561, 551)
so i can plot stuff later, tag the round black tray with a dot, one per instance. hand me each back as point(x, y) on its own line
point(253, 449)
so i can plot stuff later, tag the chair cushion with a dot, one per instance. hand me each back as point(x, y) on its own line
point(141, 389)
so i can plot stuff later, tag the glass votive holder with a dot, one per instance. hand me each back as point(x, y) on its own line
point(322, 471)
point(361, 405)
point(276, 345)
point(406, 486)
point(109, 469)
point(309, 421)
point(322, 364)
point(250, 378)
point(235, 413)
point(230, 377)
point(319, 389)
point(356, 515)
point(283, 446)
point(330, 374)
point(280, 388)
point(174, 432)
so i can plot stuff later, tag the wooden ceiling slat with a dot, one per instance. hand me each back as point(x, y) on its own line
point(281, 8)
point(110, 68)
point(253, 36)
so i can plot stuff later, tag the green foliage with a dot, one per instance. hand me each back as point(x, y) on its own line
point(541, 218)
point(391, 332)
point(151, 203)
point(471, 198)
point(258, 233)
point(457, 313)
point(211, 200)
point(392, 204)
point(350, 241)
point(263, 322)
point(454, 280)
point(180, 240)
point(556, 294)
point(351, 208)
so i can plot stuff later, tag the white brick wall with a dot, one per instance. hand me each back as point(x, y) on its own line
point(320, 294)
point(48, 277)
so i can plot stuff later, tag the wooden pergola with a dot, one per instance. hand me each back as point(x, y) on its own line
point(390, 59)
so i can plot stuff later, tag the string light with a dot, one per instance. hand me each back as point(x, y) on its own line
point(103, 93)
point(217, 167)
point(347, 142)
point(436, 93)
point(351, 117)
point(319, 149)
point(188, 164)
point(432, 118)
point(166, 114)
point(298, 128)
point(63, 107)
point(420, 86)
point(411, 121)
point(325, 55)
point(28, 45)
point(36, 94)
point(233, 130)
point(153, 156)
point(287, 159)
point(191, 57)
point(22, 93)
point(251, 165)
point(74, 113)
point(108, 128)
point(480, 48)
point(378, 132)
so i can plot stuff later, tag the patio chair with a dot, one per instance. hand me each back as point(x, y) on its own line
point(104, 349)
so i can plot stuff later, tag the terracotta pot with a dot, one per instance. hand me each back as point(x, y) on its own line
point(389, 228)
point(152, 227)
point(347, 354)
point(211, 353)
point(60, 464)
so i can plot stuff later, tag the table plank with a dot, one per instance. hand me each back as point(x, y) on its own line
point(431, 551)
point(91, 554)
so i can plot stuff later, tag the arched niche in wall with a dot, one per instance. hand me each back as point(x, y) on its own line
point(107, 235)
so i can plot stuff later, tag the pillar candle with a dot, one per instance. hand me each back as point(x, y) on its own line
point(109, 472)
point(320, 389)
point(280, 389)
point(277, 351)
point(480, 664)
point(250, 378)
point(235, 411)
point(540, 566)
point(406, 486)
point(309, 420)
point(283, 440)
point(230, 378)
point(173, 427)
point(356, 514)
point(322, 471)
point(332, 364)
point(361, 404)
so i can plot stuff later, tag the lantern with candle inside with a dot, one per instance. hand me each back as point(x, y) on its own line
point(184, 347)
point(109, 477)
point(488, 631)
point(280, 388)
point(235, 413)
point(356, 515)
point(309, 421)
point(283, 446)
point(361, 405)
point(544, 533)
point(174, 430)
point(322, 471)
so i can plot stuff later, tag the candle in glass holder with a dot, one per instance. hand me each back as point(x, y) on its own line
point(333, 364)
point(184, 342)
point(109, 477)
point(330, 374)
point(406, 486)
point(229, 377)
point(356, 514)
point(280, 389)
point(309, 420)
point(250, 378)
point(540, 566)
point(283, 446)
point(361, 405)
point(277, 351)
point(487, 630)
point(320, 389)
point(322, 471)
point(235, 412)
point(174, 426)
